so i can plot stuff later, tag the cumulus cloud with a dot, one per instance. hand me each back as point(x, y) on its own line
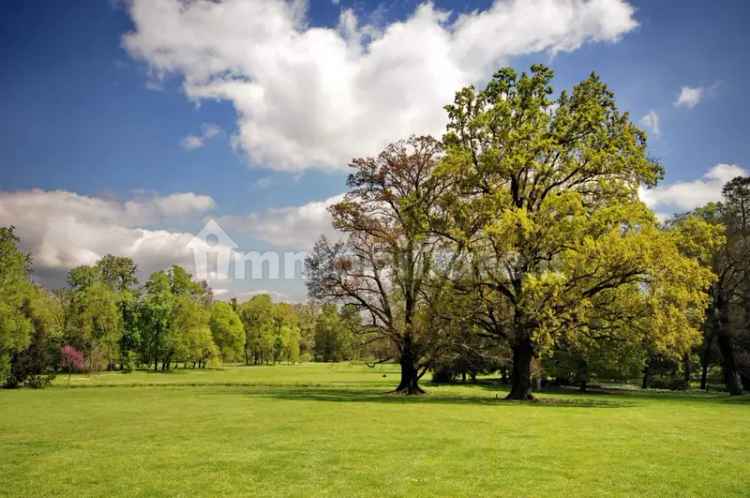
point(293, 227)
point(687, 195)
point(182, 204)
point(63, 229)
point(651, 121)
point(208, 131)
point(689, 97)
point(316, 97)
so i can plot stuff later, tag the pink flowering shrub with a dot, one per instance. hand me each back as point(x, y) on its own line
point(71, 359)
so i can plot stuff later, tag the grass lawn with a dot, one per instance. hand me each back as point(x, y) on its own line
point(327, 430)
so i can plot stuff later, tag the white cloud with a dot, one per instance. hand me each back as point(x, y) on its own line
point(651, 121)
point(688, 195)
point(293, 227)
point(316, 97)
point(208, 131)
point(64, 229)
point(689, 96)
point(183, 204)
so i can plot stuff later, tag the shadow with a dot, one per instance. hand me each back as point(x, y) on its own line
point(361, 395)
point(174, 371)
point(736, 400)
point(482, 392)
point(634, 394)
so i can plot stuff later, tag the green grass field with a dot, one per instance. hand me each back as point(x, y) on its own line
point(328, 430)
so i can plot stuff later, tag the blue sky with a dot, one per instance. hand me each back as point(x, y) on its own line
point(107, 120)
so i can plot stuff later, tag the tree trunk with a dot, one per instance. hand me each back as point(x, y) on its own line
point(706, 361)
point(583, 375)
point(523, 353)
point(646, 375)
point(686, 370)
point(704, 377)
point(409, 375)
point(729, 366)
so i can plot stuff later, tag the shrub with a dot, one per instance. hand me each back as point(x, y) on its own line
point(71, 359)
point(40, 381)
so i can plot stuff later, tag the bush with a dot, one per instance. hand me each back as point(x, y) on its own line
point(39, 381)
point(32, 366)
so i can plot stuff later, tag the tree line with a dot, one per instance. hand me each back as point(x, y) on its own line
point(105, 320)
point(518, 243)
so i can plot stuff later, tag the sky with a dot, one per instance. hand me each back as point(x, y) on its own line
point(128, 124)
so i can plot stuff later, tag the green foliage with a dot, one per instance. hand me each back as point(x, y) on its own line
point(333, 336)
point(128, 361)
point(189, 335)
point(95, 323)
point(155, 313)
point(174, 321)
point(272, 331)
point(91, 322)
point(258, 319)
point(16, 290)
point(34, 365)
point(117, 272)
point(227, 331)
point(545, 207)
point(182, 283)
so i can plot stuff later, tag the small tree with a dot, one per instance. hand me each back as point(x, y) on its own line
point(257, 316)
point(155, 314)
point(227, 331)
point(333, 339)
point(71, 359)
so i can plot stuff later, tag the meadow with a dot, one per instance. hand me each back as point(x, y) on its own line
point(329, 430)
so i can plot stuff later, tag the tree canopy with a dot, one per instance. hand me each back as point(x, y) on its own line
point(545, 206)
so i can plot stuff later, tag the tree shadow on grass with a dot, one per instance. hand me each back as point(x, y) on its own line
point(363, 395)
point(736, 400)
point(634, 395)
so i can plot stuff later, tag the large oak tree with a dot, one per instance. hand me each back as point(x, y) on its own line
point(545, 207)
